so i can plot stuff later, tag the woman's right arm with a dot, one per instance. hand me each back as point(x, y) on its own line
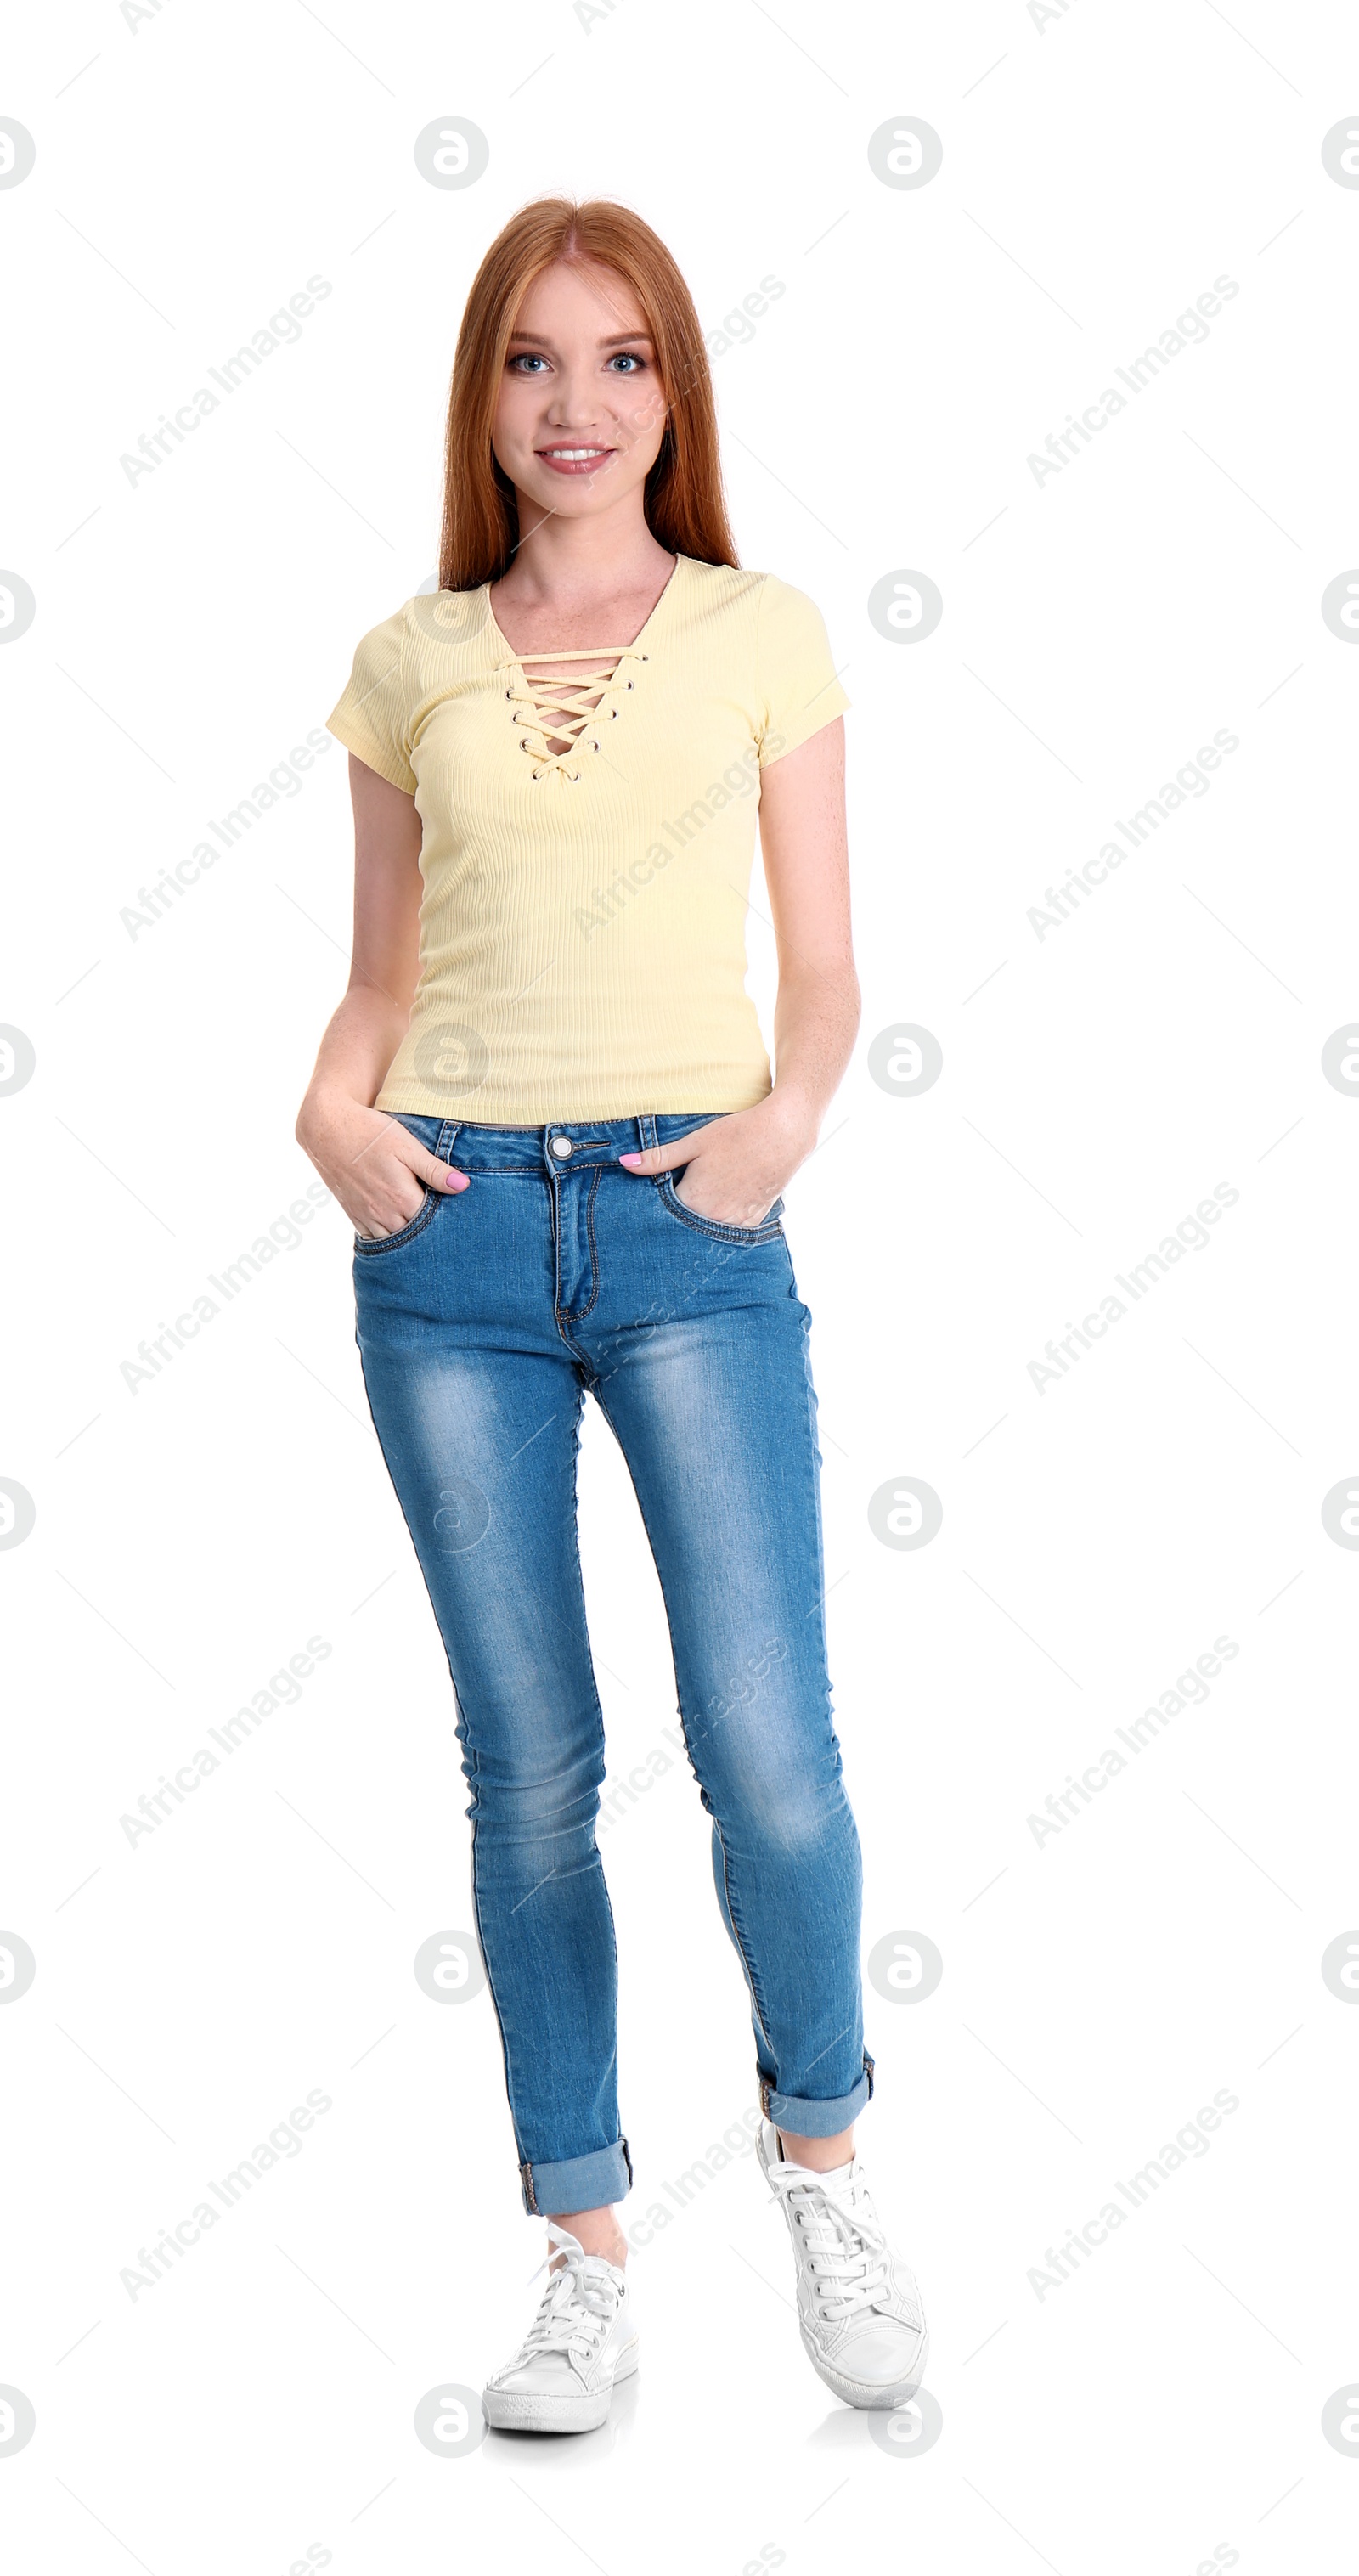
point(373, 1165)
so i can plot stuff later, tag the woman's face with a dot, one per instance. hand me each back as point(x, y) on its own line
point(581, 410)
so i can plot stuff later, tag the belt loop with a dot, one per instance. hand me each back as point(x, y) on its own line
point(646, 1131)
point(447, 1137)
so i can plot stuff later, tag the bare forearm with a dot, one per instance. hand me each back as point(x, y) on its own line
point(815, 1023)
point(359, 1044)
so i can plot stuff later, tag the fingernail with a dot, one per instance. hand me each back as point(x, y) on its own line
point(629, 1158)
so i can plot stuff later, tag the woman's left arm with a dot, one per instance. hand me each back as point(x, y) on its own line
point(739, 1165)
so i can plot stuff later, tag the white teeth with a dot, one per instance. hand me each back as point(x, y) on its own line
point(574, 455)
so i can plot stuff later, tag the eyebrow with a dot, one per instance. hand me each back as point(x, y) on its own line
point(540, 340)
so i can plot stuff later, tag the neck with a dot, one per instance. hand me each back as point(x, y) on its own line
point(559, 559)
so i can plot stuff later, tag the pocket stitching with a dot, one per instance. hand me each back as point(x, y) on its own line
point(389, 1242)
point(766, 1232)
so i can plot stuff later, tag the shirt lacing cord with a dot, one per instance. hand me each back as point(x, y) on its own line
point(549, 709)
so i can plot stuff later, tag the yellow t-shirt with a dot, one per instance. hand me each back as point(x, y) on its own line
point(582, 920)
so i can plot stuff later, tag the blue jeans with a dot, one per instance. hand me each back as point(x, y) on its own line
point(482, 1326)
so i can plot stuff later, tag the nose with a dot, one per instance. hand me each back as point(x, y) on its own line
point(572, 405)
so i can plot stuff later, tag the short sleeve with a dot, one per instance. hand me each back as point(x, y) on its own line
point(371, 717)
point(795, 672)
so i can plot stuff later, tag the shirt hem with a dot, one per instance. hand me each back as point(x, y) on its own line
point(832, 702)
point(371, 753)
point(532, 1109)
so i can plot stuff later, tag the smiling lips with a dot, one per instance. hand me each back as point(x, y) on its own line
point(574, 460)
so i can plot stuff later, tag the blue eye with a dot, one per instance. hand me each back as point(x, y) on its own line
point(527, 358)
point(628, 358)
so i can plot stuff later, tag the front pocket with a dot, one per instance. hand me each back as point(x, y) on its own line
point(392, 1242)
point(766, 1232)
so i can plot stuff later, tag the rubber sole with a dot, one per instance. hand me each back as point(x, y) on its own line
point(523, 2410)
point(866, 2394)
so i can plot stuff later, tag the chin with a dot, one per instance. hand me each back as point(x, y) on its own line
point(568, 498)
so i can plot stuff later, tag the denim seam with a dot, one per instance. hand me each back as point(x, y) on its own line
point(490, 1981)
point(768, 2087)
point(599, 1714)
point(580, 1580)
point(578, 1315)
point(590, 1238)
point(525, 2168)
point(822, 1638)
point(448, 1130)
point(628, 1118)
point(741, 1950)
point(582, 1358)
point(530, 2180)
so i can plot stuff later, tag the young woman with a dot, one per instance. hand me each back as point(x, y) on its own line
point(545, 1103)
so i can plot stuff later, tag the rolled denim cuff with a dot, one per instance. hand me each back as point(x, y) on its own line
point(816, 2119)
point(578, 2182)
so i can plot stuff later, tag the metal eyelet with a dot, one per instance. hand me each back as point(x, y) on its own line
point(594, 746)
point(613, 715)
point(632, 684)
point(573, 775)
point(646, 657)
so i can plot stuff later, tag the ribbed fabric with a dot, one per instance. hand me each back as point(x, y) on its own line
point(582, 924)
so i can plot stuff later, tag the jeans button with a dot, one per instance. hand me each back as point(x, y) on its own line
point(561, 1147)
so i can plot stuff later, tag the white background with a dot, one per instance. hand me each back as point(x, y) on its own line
point(1098, 173)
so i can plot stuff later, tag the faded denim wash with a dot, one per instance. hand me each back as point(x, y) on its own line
point(482, 1326)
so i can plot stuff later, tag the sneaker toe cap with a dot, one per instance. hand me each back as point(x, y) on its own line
point(881, 2354)
point(548, 2375)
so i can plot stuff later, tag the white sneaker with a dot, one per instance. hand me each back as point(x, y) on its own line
point(581, 2342)
point(858, 2305)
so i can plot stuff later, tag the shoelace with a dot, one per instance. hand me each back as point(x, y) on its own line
point(553, 707)
point(847, 2250)
point(576, 2308)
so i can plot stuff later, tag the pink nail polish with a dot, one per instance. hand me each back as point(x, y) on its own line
point(629, 1158)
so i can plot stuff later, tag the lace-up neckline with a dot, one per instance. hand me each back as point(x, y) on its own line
point(560, 715)
point(554, 709)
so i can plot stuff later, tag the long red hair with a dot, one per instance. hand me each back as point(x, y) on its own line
point(686, 510)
